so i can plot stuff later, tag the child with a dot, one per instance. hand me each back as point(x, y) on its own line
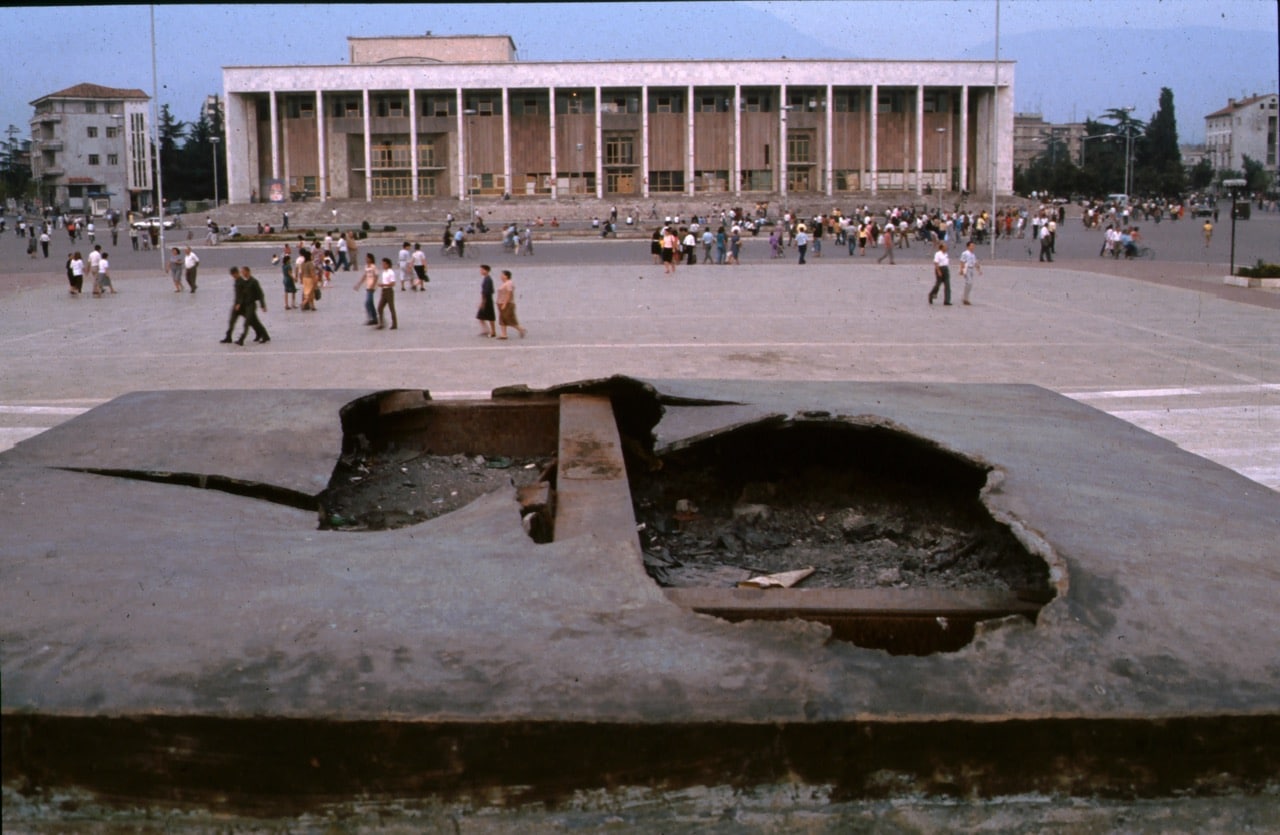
point(104, 277)
point(327, 266)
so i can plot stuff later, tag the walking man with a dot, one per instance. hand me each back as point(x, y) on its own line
point(886, 241)
point(419, 259)
point(255, 298)
point(239, 301)
point(1046, 243)
point(941, 274)
point(191, 263)
point(968, 263)
point(387, 281)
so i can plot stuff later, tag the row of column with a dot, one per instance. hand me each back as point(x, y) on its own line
point(690, 167)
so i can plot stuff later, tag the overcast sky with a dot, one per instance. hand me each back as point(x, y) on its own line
point(1076, 58)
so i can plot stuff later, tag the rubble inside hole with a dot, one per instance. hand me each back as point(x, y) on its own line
point(865, 506)
point(395, 488)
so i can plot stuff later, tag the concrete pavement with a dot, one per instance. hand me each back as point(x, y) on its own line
point(432, 659)
point(1165, 345)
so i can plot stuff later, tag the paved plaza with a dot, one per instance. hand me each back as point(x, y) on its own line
point(215, 649)
point(1162, 344)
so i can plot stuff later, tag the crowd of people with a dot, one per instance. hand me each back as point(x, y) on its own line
point(715, 238)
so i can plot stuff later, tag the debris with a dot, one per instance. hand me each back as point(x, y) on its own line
point(685, 506)
point(857, 528)
point(852, 531)
point(888, 577)
point(498, 463)
point(781, 580)
point(752, 513)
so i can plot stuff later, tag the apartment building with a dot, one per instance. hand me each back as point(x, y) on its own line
point(91, 149)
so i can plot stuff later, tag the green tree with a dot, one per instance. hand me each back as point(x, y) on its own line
point(1131, 131)
point(1050, 171)
point(171, 168)
point(15, 176)
point(1103, 153)
point(195, 181)
point(1201, 175)
point(1255, 174)
point(1157, 161)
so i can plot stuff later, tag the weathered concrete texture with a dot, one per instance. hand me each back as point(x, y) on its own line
point(288, 439)
point(123, 599)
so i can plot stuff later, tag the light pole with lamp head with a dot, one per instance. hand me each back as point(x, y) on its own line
point(942, 163)
point(466, 166)
point(581, 174)
point(1235, 186)
point(118, 120)
point(783, 162)
point(214, 140)
point(1085, 139)
point(1128, 150)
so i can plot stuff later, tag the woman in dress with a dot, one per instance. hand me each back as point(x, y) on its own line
point(369, 281)
point(175, 268)
point(485, 313)
point(506, 299)
point(286, 274)
point(310, 280)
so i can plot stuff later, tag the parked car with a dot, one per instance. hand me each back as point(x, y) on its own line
point(151, 223)
point(175, 207)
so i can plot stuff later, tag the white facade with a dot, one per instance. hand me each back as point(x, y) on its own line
point(91, 149)
point(1243, 128)
point(616, 128)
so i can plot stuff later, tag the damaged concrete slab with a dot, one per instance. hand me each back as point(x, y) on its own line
point(170, 642)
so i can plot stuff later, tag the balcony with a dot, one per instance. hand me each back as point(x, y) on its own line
point(48, 118)
point(53, 171)
point(50, 145)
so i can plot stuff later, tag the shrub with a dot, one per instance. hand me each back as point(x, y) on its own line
point(1259, 270)
point(364, 226)
point(388, 229)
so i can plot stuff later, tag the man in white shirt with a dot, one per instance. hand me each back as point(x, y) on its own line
point(95, 259)
point(419, 268)
point(941, 274)
point(191, 264)
point(403, 260)
point(968, 264)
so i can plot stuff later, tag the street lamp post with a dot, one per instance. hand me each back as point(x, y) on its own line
point(466, 166)
point(214, 140)
point(581, 174)
point(1235, 186)
point(942, 163)
point(1128, 151)
point(118, 119)
point(1085, 139)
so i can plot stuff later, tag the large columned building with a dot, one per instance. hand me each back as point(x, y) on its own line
point(421, 117)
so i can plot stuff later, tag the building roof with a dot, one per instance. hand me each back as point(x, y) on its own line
point(1233, 105)
point(86, 90)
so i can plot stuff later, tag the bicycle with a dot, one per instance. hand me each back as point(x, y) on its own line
point(1144, 252)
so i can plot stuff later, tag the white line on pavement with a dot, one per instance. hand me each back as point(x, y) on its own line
point(1170, 392)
